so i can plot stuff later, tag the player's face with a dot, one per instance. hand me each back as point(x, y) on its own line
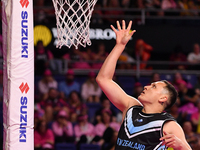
point(153, 92)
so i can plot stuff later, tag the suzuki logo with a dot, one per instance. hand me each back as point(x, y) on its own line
point(24, 87)
point(24, 3)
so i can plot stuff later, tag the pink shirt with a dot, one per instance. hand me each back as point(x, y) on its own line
point(59, 131)
point(100, 128)
point(87, 130)
point(41, 139)
point(195, 116)
point(89, 90)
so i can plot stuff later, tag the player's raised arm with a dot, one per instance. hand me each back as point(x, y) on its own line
point(104, 78)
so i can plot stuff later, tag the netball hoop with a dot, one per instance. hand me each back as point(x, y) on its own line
point(73, 20)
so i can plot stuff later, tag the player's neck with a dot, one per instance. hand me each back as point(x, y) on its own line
point(151, 110)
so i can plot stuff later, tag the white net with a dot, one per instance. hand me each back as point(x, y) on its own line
point(73, 20)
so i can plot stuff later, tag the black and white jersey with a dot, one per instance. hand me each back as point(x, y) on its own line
point(141, 131)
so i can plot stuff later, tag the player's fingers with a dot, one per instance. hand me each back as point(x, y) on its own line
point(165, 136)
point(123, 25)
point(132, 32)
point(118, 25)
point(113, 28)
point(129, 25)
point(170, 144)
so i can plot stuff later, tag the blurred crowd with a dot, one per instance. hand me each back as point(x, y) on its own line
point(69, 111)
point(92, 58)
point(152, 7)
point(63, 115)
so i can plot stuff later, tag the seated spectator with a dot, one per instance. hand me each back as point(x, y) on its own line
point(40, 14)
point(194, 56)
point(152, 5)
point(168, 4)
point(109, 139)
point(178, 56)
point(133, 4)
point(197, 86)
point(90, 90)
point(143, 52)
point(76, 105)
point(69, 85)
point(42, 135)
point(106, 116)
point(99, 56)
point(63, 128)
point(129, 4)
point(195, 118)
point(180, 117)
point(43, 58)
point(113, 12)
point(137, 89)
point(39, 114)
point(191, 137)
point(188, 98)
point(46, 83)
point(125, 61)
point(105, 105)
point(178, 77)
point(84, 128)
point(79, 59)
point(188, 5)
point(53, 104)
point(97, 13)
point(155, 77)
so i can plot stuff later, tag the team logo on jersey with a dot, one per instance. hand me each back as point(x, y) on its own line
point(139, 120)
point(132, 131)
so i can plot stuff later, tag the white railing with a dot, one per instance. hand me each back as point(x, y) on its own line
point(163, 68)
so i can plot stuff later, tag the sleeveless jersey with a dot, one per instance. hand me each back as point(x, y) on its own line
point(141, 131)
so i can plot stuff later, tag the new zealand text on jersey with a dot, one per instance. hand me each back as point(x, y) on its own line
point(130, 144)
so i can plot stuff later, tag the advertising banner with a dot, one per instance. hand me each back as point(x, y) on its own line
point(19, 75)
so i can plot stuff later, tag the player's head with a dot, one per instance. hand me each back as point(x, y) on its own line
point(173, 94)
point(161, 92)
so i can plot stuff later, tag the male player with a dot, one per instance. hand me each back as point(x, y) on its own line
point(145, 124)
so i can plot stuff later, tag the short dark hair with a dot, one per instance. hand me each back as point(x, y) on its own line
point(173, 94)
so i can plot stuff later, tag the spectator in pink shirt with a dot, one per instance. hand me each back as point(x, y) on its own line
point(91, 91)
point(76, 106)
point(53, 104)
point(46, 83)
point(42, 135)
point(84, 128)
point(63, 128)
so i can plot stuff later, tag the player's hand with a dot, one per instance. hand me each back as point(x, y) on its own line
point(170, 140)
point(123, 34)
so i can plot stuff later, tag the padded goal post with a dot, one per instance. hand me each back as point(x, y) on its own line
point(18, 74)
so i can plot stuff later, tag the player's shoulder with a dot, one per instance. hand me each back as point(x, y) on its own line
point(133, 102)
point(169, 124)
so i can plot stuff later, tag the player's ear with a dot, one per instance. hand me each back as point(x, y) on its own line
point(163, 98)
